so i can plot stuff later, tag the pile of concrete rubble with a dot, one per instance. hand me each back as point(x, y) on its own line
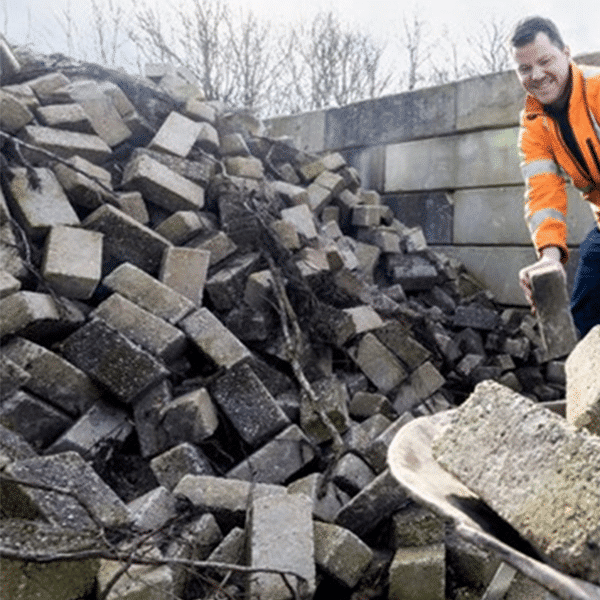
point(209, 339)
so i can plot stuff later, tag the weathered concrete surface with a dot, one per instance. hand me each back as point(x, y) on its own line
point(533, 469)
point(583, 382)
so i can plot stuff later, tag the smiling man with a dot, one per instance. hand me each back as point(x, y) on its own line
point(559, 138)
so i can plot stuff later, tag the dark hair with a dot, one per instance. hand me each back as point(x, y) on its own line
point(526, 29)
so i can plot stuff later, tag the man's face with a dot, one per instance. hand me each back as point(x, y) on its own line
point(543, 69)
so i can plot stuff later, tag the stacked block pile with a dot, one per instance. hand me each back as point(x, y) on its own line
point(192, 316)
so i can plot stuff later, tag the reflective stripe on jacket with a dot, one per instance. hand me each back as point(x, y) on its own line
point(547, 161)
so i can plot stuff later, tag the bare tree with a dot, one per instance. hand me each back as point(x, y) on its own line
point(416, 31)
point(488, 45)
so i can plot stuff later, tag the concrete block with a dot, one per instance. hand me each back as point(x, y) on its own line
point(147, 419)
point(14, 114)
point(14, 377)
point(39, 209)
point(376, 502)
point(91, 502)
point(242, 166)
point(376, 452)
point(258, 291)
point(231, 550)
point(418, 573)
point(426, 380)
point(153, 509)
point(402, 344)
point(23, 93)
point(200, 171)
point(290, 548)
point(219, 244)
point(489, 101)
point(226, 286)
point(406, 116)
point(38, 422)
point(70, 117)
point(195, 541)
point(152, 333)
point(191, 417)
point(368, 167)
point(551, 498)
point(469, 160)
point(34, 315)
point(148, 293)
point(248, 405)
point(184, 270)
point(139, 581)
point(94, 347)
point(214, 339)
point(198, 110)
point(64, 144)
point(476, 316)
point(302, 219)
point(180, 227)
point(583, 382)
point(45, 85)
point(554, 318)
point(8, 284)
point(340, 553)
point(126, 240)
point(101, 425)
point(415, 525)
point(132, 204)
point(412, 271)
point(227, 499)
point(351, 474)
point(103, 114)
point(326, 497)
point(80, 189)
point(72, 261)
point(293, 194)
point(176, 135)
point(332, 398)
point(277, 460)
point(378, 363)
point(57, 580)
point(287, 234)
point(161, 185)
point(307, 130)
point(181, 460)
point(51, 377)
point(366, 404)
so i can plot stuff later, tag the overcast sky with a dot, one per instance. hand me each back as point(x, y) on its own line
point(32, 21)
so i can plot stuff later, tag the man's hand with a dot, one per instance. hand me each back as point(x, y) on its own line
point(550, 255)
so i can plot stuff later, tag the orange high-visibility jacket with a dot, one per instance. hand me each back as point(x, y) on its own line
point(547, 160)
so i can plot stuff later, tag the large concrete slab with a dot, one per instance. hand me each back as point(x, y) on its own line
point(532, 468)
point(458, 161)
point(496, 213)
point(307, 129)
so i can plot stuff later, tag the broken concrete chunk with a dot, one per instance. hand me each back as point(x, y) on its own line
point(174, 464)
point(45, 85)
point(180, 227)
point(152, 333)
point(340, 553)
point(52, 377)
point(152, 510)
point(148, 293)
point(112, 360)
point(418, 573)
point(126, 240)
point(278, 460)
point(214, 339)
point(72, 261)
point(38, 209)
point(70, 117)
point(248, 404)
point(102, 425)
point(533, 469)
point(583, 382)
point(14, 114)
point(64, 144)
point(176, 135)
point(147, 418)
point(162, 185)
point(90, 503)
point(290, 548)
point(38, 422)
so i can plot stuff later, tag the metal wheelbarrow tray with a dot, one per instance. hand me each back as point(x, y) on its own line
point(425, 481)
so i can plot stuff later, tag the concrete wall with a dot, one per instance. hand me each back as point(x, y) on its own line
point(445, 158)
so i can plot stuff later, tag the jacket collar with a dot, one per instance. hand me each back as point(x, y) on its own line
point(533, 107)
